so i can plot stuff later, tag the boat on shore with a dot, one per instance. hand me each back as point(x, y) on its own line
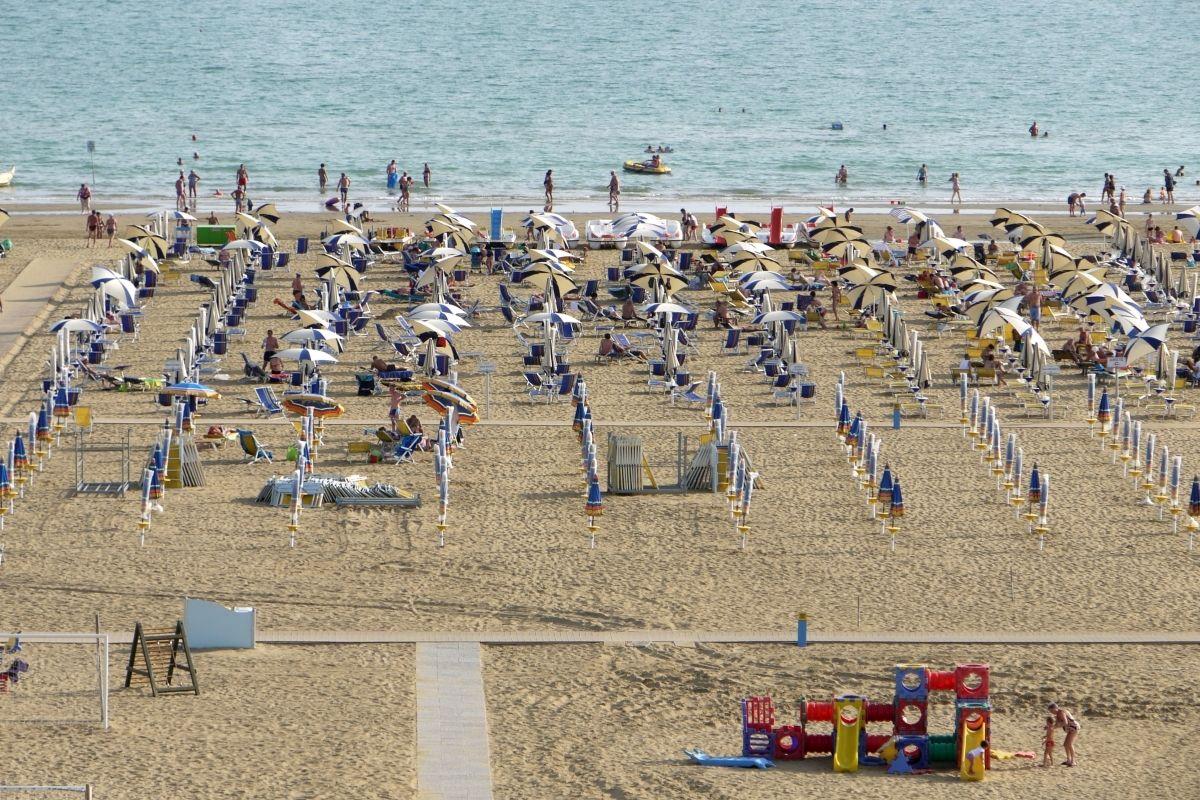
point(6, 178)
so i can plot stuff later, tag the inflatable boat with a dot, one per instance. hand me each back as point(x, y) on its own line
point(646, 168)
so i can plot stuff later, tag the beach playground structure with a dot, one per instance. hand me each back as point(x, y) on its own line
point(905, 746)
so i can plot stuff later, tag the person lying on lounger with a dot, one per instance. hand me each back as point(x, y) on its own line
point(609, 347)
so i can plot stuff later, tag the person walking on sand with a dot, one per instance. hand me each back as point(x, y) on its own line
point(1065, 720)
point(343, 187)
point(955, 189)
point(84, 195)
point(93, 227)
point(548, 186)
point(614, 191)
point(110, 228)
point(426, 174)
point(322, 177)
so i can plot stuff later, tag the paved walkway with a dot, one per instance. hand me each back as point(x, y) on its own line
point(517, 637)
point(27, 295)
point(453, 758)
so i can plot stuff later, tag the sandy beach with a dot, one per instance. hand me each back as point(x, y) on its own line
point(594, 720)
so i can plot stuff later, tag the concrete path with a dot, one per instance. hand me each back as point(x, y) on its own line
point(453, 757)
point(517, 637)
point(27, 295)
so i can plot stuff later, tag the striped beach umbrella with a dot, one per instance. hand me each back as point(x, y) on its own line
point(20, 459)
point(886, 487)
point(1035, 485)
point(42, 427)
point(1104, 411)
point(1194, 499)
point(897, 502)
point(593, 506)
point(843, 423)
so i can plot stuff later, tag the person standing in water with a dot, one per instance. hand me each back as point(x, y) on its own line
point(343, 187)
point(922, 175)
point(614, 191)
point(1033, 129)
point(426, 174)
point(322, 177)
point(391, 174)
point(193, 184)
point(548, 186)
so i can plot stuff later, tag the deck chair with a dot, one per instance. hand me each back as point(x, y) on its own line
point(784, 389)
point(537, 387)
point(406, 447)
point(566, 385)
point(733, 342)
point(265, 402)
point(689, 393)
point(251, 447)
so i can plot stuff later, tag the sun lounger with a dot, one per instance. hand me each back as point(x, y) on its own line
point(251, 447)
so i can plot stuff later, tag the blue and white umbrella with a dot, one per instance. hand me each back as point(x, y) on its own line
point(1146, 343)
point(75, 325)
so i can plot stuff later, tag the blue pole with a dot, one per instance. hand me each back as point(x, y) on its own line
point(896, 416)
point(802, 630)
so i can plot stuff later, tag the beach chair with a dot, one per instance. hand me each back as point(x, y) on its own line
point(537, 387)
point(251, 447)
point(689, 393)
point(265, 402)
point(733, 342)
point(783, 388)
point(566, 385)
point(509, 317)
point(507, 299)
point(406, 447)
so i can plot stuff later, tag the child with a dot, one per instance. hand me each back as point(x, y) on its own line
point(1048, 742)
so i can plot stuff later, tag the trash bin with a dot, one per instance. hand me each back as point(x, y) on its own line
point(302, 245)
point(220, 342)
point(127, 324)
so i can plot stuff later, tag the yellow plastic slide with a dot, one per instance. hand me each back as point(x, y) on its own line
point(848, 720)
point(971, 757)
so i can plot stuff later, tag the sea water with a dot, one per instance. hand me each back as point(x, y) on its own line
point(492, 93)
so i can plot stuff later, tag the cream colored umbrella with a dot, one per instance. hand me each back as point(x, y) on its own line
point(342, 226)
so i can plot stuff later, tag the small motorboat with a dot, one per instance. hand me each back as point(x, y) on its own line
point(647, 167)
point(6, 178)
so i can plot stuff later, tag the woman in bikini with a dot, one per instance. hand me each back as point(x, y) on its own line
point(1065, 720)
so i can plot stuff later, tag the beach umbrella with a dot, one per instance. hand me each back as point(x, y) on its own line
point(349, 240)
point(310, 316)
point(306, 335)
point(307, 354)
point(1034, 493)
point(320, 405)
point(664, 308)
point(777, 316)
point(1056, 257)
point(866, 295)
point(444, 316)
point(657, 268)
point(442, 385)
point(1146, 343)
point(555, 254)
point(446, 402)
point(998, 317)
point(143, 256)
point(1189, 220)
point(757, 262)
point(1103, 409)
point(344, 277)
point(643, 227)
point(553, 318)
point(337, 226)
point(245, 244)
point(191, 389)
point(946, 246)
point(1076, 281)
point(843, 423)
point(883, 494)
point(748, 246)
point(432, 328)
point(670, 284)
point(897, 501)
point(447, 308)
point(857, 271)
point(76, 325)
point(332, 260)
point(121, 290)
point(594, 505)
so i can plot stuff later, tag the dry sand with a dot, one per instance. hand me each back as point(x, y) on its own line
point(516, 557)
